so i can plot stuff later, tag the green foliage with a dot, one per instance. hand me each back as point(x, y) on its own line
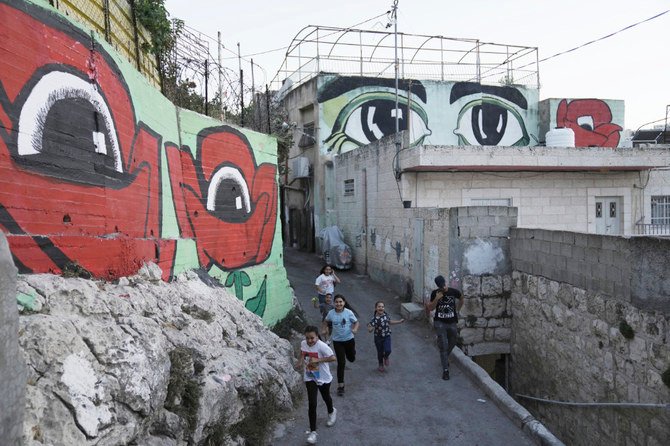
point(184, 392)
point(257, 303)
point(626, 330)
point(294, 321)
point(154, 17)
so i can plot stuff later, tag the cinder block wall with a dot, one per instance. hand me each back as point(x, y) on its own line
point(570, 295)
point(12, 366)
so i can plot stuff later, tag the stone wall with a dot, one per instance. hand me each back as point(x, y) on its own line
point(479, 253)
point(573, 295)
point(12, 366)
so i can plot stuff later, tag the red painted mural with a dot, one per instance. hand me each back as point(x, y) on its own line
point(80, 175)
point(591, 120)
point(229, 205)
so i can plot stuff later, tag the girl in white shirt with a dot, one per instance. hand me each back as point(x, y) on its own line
point(325, 284)
point(314, 358)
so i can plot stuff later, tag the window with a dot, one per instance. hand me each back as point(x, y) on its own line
point(349, 189)
point(307, 138)
point(490, 202)
point(660, 209)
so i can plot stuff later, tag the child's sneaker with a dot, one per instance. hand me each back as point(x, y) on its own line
point(340, 391)
point(311, 438)
point(332, 417)
point(386, 361)
point(380, 368)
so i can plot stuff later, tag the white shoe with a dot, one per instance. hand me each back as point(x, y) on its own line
point(311, 438)
point(332, 417)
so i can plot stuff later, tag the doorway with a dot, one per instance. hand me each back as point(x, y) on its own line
point(608, 215)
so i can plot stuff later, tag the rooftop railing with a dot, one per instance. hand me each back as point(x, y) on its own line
point(357, 52)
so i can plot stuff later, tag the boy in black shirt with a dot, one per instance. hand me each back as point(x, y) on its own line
point(443, 301)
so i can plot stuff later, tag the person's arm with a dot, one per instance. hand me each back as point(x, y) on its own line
point(324, 326)
point(354, 327)
point(433, 303)
point(331, 358)
point(399, 321)
point(461, 300)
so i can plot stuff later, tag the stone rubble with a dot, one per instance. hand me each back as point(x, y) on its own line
point(146, 362)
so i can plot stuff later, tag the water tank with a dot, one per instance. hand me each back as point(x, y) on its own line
point(560, 137)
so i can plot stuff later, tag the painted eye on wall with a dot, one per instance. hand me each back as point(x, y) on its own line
point(371, 116)
point(491, 122)
point(66, 129)
point(228, 195)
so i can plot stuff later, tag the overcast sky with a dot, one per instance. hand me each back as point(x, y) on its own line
point(633, 65)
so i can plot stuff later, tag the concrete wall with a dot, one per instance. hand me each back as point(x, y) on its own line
point(405, 248)
point(101, 171)
point(570, 294)
point(12, 366)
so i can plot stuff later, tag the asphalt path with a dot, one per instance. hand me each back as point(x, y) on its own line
point(409, 403)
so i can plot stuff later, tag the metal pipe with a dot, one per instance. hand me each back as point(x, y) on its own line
point(567, 403)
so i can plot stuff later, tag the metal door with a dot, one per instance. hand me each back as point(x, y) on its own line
point(608, 213)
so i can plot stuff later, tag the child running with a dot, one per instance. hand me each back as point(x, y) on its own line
point(325, 308)
point(345, 325)
point(314, 358)
point(381, 323)
point(325, 284)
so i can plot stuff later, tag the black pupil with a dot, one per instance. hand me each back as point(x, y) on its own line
point(68, 147)
point(228, 196)
point(383, 117)
point(493, 123)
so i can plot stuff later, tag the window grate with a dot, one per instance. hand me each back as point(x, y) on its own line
point(349, 188)
point(660, 209)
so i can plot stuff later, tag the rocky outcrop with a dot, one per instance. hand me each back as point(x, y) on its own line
point(147, 362)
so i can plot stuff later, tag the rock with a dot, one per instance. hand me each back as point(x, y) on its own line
point(152, 363)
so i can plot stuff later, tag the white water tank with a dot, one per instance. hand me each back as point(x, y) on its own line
point(560, 137)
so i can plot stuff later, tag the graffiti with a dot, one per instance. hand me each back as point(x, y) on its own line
point(365, 111)
point(230, 203)
point(83, 178)
point(355, 111)
point(591, 120)
point(491, 116)
point(397, 247)
point(257, 303)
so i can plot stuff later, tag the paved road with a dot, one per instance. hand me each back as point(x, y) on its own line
point(409, 404)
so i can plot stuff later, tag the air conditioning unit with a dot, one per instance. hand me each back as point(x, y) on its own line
point(300, 167)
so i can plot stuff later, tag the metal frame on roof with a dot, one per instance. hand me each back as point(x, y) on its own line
point(357, 52)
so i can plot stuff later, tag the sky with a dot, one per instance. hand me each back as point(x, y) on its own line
point(633, 65)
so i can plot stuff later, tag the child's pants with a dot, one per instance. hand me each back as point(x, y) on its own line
point(383, 344)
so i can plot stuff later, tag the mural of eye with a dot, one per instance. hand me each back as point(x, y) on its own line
point(65, 124)
point(490, 122)
point(228, 195)
point(371, 116)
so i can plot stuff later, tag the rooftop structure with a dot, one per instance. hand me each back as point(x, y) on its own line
point(357, 52)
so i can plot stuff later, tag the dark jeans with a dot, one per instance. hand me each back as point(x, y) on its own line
point(346, 349)
point(324, 389)
point(447, 336)
point(383, 344)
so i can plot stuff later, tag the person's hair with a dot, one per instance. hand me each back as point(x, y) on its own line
point(323, 270)
point(311, 329)
point(379, 302)
point(346, 304)
point(330, 294)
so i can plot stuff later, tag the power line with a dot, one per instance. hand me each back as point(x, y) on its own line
point(604, 37)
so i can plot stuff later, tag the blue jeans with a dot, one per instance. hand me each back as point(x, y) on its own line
point(447, 336)
point(383, 344)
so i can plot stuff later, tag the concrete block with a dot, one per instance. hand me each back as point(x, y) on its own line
point(411, 310)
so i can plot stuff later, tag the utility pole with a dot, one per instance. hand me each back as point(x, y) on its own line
point(221, 115)
point(239, 60)
point(394, 16)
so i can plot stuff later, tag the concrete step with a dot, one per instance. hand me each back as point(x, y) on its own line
point(411, 310)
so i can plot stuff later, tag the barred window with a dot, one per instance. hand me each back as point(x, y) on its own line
point(660, 209)
point(349, 189)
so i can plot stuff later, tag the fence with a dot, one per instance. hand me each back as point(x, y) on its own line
point(116, 21)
